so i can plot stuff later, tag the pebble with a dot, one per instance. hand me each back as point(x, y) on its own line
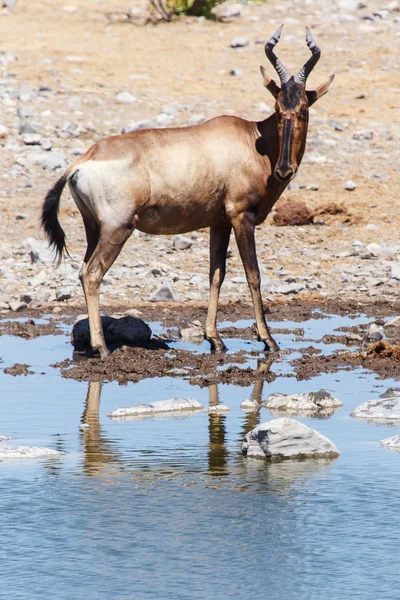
point(165, 293)
point(350, 186)
point(125, 98)
point(375, 333)
point(181, 243)
point(239, 42)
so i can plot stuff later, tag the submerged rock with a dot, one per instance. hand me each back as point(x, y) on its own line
point(281, 439)
point(161, 406)
point(249, 405)
point(393, 442)
point(25, 452)
point(384, 409)
point(314, 401)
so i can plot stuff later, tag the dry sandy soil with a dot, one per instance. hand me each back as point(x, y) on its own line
point(66, 64)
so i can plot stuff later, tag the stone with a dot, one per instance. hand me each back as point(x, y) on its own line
point(239, 42)
point(165, 293)
point(312, 402)
point(236, 72)
point(393, 442)
point(31, 139)
point(4, 438)
point(390, 393)
point(249, 405)
point(81, 332)
point(384, 409)
point(363, 134)
point(171, 405)
point(64, 294)
point(74, 103)
point(375, 333)
point(17, 305)
point(194, 333)
point(9, 3)
point(56, 160)
point(285, 438)
point(3, 131)
point(163, 119)
point(291, 212)
point(217, 409)
point(125, 98)
point(17, 452)
point(181, 243)
point(350, 186)
point(144, 124)
point(227, 12)
point(395, 271)
point(128, 331)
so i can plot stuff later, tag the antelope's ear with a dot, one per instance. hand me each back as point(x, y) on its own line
point(270, 83)
point(321, 90)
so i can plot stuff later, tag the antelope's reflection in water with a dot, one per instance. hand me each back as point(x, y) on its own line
point(105, 457)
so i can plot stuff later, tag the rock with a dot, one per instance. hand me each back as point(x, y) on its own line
point(81, 332)
point(13, 452)
point(314, 402)
point(133, 312)
point(196, 119)
point(390, 393)
point(288, 288)
point(291, 212)
point(161, 406)
point(9, 3)
point(375, 333)
point(17, 305)
point(395, 271)
point(350, 186)
point(3, 131)
point(164, 119)
point(217, 409)
point(363, 134)
point(178, 372)
point(144, 124)
point(287, 439)
point(239, 42)
point(384, 409)
point(31, 139)
point(165, 293)
point(74, 103)
point(393, 322)
point(249, 405)
point(128, 331)
point(393, 442)
point(181, 243)
point(236, 72)
point(195, 333)
point(227, 12)
point(4, 438)
point(56, 160)
point(63, 294)
point(125, 98)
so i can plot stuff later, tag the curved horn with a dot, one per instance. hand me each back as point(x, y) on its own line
point(282, 71)
point(301, 76)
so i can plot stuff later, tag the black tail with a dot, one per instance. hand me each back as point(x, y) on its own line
point(49, 219)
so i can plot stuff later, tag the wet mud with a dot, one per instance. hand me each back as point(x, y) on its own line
point(18, 369)
point(163, 357)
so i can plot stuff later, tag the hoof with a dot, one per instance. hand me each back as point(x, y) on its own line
point(217, 345)
point(270, 345)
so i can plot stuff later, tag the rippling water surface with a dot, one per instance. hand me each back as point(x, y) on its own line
point(167, 508)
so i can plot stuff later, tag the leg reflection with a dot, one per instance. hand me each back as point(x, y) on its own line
point(98, 450)
point(217, 454)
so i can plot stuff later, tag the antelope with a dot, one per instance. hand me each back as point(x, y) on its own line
point(226, 173)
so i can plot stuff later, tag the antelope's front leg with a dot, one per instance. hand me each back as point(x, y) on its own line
point(244, 226)
point(219, 241)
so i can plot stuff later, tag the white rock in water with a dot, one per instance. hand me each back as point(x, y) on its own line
point(249, 405)
point(161, 406)
point(392, 442)
point(25, 452)
point(384, 409)
point(3, 438)
point(285, 438)
point(217, 409)
point(192, 333)
point(313, 401)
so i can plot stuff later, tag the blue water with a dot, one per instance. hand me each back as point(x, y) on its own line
point(168, 508)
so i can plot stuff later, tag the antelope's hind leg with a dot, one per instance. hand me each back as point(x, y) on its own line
point(219, 241)
point(244, 226)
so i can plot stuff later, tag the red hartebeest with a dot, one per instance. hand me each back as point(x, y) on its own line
point(223, 174)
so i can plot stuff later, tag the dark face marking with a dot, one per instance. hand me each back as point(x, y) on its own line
point(292, 116)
